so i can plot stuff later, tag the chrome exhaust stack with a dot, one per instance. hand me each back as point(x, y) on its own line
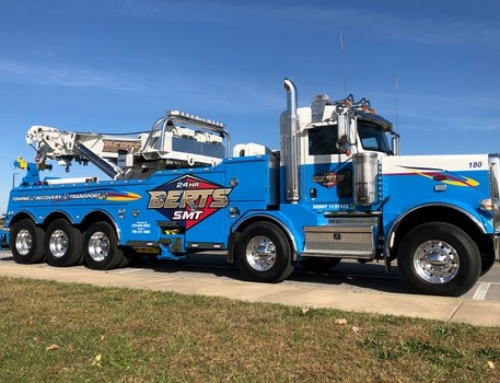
point(290, 143)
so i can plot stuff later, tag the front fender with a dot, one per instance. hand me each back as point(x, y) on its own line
point(393, 222)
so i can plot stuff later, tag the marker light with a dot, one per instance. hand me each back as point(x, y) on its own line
point(489, 204)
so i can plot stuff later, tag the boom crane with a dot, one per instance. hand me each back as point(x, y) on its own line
point(175, 140)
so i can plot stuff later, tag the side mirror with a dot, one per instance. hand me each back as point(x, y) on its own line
point(395, 143)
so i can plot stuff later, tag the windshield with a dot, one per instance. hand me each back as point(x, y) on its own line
point(373, 137)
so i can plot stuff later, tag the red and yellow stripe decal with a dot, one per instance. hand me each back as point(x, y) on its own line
point(441, 175)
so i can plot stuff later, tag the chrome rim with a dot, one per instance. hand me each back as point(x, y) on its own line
point(99, 246)
point(436, 262)
point(261, 253)
point(58, 243)
point(24, 242)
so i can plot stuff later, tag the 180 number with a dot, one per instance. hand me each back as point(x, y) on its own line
point(475, 164)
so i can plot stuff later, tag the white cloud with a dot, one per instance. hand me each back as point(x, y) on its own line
point(20, 72)
point(217, 91)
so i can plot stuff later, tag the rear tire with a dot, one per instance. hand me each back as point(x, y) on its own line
point(129, 257)
point(63, 244)
point(26, 242)
point(263, 253)
point(100, 250)
point(439, 259)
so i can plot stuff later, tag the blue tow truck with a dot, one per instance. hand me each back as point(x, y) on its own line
point(337, 188)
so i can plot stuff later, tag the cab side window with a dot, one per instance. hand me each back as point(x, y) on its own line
point(323, 140)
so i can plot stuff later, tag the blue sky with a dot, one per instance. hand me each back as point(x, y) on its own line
point(117, 66)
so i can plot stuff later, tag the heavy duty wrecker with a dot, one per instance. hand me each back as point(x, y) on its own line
point(337, 188)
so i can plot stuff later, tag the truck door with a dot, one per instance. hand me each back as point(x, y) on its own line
point(326, 176)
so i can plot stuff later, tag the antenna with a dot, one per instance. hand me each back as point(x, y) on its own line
point(343, 61)
point(397, 112)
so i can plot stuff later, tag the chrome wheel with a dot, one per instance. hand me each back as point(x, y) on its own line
point(63, 244)
point(439, 258)
point(436, 261)
point(98, 246)
point(24, 242)
point(261, 253)
point(58, 243)
point(27, 242)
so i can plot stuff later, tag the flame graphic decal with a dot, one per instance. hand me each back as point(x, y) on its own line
point(443, 176)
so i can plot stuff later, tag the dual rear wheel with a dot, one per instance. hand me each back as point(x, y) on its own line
point(27, 242)
point(63, 245)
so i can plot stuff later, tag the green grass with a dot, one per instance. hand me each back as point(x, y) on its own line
point(54, 332)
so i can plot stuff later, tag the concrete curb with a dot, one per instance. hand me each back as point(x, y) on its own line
point(481, 313)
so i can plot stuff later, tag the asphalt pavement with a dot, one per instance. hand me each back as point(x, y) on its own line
point(463, 309)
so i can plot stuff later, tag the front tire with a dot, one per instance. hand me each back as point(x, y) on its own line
point(27, 242)
point(263, 253)
point(439, 259)
point(63, 244)
point(487, 262)
point(100, 250)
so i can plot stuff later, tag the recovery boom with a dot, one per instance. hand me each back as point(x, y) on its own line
point(176, 140)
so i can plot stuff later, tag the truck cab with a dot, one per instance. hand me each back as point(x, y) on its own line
point(342, 160)
point(332, 143)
